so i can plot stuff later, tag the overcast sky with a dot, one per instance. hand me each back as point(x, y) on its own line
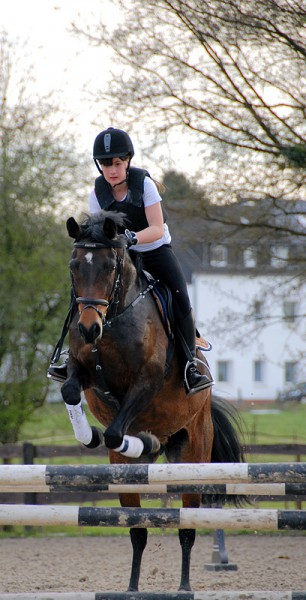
point(63, 64)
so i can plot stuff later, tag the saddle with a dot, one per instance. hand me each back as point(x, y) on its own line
point(163, 299)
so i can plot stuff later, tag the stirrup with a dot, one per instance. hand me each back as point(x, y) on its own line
point(190, 391)
point(58, 372)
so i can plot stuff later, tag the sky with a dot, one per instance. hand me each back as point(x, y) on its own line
point(63, 63)
point(68, 66)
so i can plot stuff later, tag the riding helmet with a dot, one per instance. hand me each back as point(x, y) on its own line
point(111, 143)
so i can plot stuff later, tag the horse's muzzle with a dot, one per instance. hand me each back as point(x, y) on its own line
point(90, 330)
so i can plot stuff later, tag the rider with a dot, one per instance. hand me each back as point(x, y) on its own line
point(131, 190)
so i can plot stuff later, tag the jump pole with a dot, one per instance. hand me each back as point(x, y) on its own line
point(186, 473)
point(295, 490)
point(177, 518)
point(208, 595)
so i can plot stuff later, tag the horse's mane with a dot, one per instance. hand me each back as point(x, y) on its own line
point(92, 227)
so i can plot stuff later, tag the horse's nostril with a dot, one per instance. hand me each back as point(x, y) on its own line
point(82, 330)
point(95, 330)
point(90, 335)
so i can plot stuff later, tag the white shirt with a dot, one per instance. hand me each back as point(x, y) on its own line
point(150, 196)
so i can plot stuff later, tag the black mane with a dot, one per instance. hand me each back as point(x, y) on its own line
point(92, 228)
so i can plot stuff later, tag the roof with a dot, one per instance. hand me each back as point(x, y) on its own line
point(247, 223)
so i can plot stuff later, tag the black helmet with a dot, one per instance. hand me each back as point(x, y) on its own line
point(111, 143)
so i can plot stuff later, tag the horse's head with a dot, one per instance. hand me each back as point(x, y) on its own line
point(96, 268)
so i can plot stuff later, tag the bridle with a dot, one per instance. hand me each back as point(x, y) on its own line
point(111, 304)
point(113, 301)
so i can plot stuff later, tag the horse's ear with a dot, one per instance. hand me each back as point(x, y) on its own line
point(73, 228)
point(110, 228)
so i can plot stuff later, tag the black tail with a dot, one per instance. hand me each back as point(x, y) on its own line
point(227, 446)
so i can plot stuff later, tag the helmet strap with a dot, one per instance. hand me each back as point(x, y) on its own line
point(98, 166)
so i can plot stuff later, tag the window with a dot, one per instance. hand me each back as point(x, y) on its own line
point(289, 311)
point(223, 370)
point(291, 372)
point(218, 255)
point(258, 370)
point(250, 257)
point(279, 256)
point(258, 309)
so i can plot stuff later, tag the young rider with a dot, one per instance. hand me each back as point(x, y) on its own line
point(131, 190)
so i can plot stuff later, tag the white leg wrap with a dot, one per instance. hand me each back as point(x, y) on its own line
point(81, 427)
point(131, 446)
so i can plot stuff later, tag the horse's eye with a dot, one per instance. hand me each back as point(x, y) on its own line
point(109, 267)
point(74, 264)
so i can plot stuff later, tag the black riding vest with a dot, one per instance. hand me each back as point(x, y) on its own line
point(133, 205)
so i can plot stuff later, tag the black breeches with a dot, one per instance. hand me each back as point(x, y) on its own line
point(163, 264)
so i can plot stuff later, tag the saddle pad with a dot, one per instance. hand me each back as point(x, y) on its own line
point(203, 344)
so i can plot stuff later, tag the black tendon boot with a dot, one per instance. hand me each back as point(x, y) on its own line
point(194, 380)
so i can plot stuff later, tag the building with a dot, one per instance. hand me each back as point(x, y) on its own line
point(245, 268)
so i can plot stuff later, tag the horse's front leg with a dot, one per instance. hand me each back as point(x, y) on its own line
point(136, 400)
point(91, 437)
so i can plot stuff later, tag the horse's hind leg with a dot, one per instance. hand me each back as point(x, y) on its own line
point(139, 536)
point(187, 539)
point(191, 445)
point(139, 541)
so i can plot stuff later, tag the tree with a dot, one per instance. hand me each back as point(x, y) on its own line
point(38, 168)
point(230, 74)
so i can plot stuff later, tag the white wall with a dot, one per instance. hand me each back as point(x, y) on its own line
point(223, 306)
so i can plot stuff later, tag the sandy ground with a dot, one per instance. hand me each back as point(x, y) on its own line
point(62, 564)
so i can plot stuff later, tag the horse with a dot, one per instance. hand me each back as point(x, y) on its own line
point(119, 356)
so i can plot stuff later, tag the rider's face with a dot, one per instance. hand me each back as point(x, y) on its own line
point(116, 172)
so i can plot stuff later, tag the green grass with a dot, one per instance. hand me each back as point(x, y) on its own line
point(50, 424)
point(288, 426)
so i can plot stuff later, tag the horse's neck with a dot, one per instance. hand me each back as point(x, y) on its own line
point(132, 284)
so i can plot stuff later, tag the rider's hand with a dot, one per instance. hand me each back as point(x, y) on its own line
point(131, 237)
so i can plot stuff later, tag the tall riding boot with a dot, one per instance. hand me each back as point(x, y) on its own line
point(194, 380)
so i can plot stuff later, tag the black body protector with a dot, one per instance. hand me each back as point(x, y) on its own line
point(133, 205)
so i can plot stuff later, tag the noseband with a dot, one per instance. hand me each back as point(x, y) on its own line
point(94, 302)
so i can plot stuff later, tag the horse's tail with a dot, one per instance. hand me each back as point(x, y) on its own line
point(227, 446)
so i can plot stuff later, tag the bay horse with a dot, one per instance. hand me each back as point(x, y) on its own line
point(118, 351)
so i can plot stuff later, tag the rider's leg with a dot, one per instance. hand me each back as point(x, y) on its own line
point(163, 264)
point(194, 379)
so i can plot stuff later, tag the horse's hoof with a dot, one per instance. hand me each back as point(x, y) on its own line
point(150, 442)
point(185, 588)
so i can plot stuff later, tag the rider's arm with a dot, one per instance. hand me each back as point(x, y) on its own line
point(155, 219)
point(154, 214)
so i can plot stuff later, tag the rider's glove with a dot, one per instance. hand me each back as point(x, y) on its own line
point(131, 237)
